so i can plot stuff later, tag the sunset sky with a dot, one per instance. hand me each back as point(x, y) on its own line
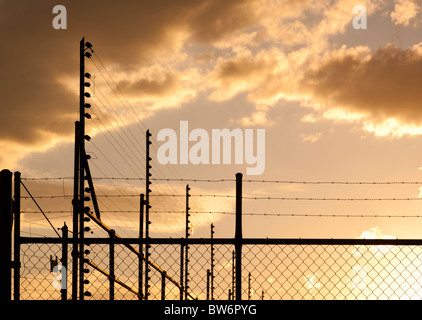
point(337, 104)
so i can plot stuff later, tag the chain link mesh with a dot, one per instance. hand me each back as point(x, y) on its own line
point(333, 272)
point(270, 272)
point(37, 279)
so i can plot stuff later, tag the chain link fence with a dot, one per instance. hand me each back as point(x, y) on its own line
point(278, 271)
point(334, 272)
point(39, 280)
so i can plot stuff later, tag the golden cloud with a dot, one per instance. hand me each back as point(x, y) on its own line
point(404, 11)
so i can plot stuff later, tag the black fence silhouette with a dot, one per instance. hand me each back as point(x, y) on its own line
point(76, 266)
point(117, 268)
point(273, 269)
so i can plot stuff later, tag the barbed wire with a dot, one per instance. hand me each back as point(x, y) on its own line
point(244, 180)
point(261, 214)
point(233, 196)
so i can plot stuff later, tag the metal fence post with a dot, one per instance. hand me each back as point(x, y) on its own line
point(16, 238)
point(238, 237)
point(187, 245)
point(112, 234)
point(64, 261)
point(249, 286)
point(82, 166)
point(163, 285)
point(5, 235)
point(182, 254)
point(233, 275)
point(141, 246)
point(208, 283)
point(212, 263)
point(147, 207)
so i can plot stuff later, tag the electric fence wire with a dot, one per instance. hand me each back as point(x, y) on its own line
point(132, 114)
point(127, 146)
point(122, 123)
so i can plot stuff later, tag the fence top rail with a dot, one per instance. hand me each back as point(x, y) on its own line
point(228, 241)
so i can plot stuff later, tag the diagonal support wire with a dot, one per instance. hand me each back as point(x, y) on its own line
point(40, 209)
point(113, 278)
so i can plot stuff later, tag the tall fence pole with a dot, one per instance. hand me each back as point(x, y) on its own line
point(83, 160)
point(64, 261)
point(238, 236)
point(187, 246)
point(81, 166)
point(147, 207)
point(16, 238)
point(141, 246)
point(5, 235)
point(233, 275)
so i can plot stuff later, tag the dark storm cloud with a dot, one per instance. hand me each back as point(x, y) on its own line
point(387, 85)
point(212, 20)
point(36, 106)
point(33, 103)
point(148, 87)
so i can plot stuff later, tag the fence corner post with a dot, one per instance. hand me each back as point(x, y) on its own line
point(6, 235)
point(17, 234)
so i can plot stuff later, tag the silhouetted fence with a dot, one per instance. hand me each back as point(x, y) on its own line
point(272, 269)
point(116, 268)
